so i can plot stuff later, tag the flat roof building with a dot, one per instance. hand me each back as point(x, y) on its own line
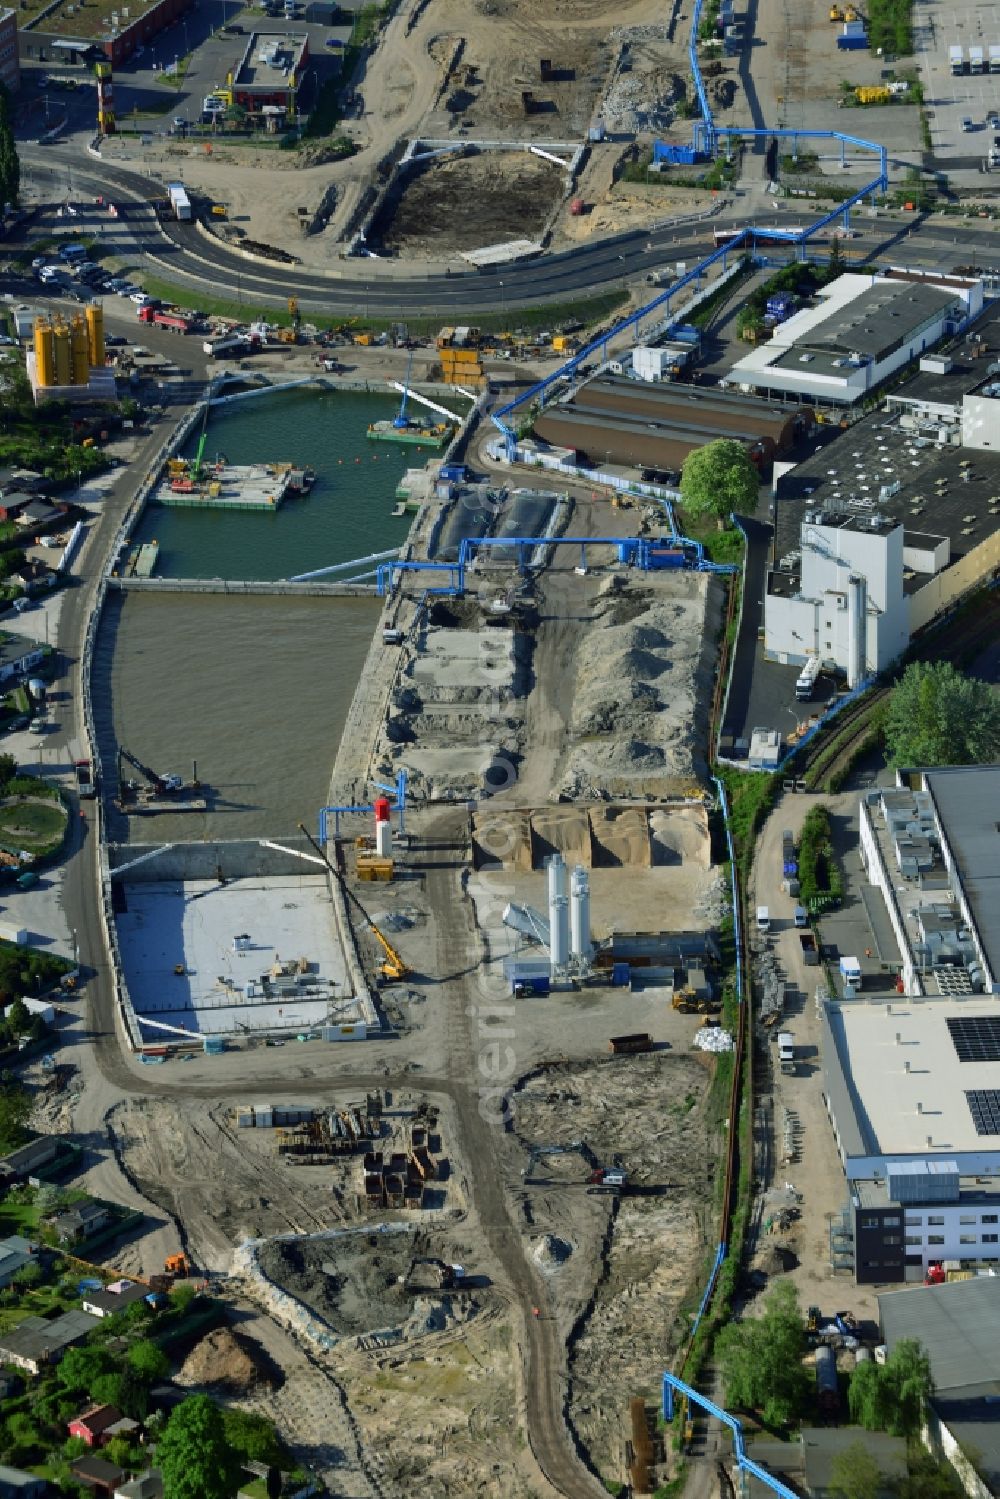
point(958, 1326)
point(862, 329)
point(267, 76)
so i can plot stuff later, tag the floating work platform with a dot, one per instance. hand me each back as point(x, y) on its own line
point(141, 560)
point(145, 801)
point(232, 486)
point(426, 435)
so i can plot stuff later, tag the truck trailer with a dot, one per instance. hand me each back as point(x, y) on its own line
point(995, 59)
point(977, 62)
point(179, 201)
point(233, 347)
point(174, 322)
point(957, 59)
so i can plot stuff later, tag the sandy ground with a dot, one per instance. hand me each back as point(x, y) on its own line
point(615, 1267)
point(463, 202)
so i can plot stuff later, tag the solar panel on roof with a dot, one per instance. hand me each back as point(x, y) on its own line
point(976, 1037)
point(984, 1106)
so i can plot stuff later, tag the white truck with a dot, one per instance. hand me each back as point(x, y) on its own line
point(763, 919)
point(995, 59)
point(957, 59)
point(786, 1053)
point(179, 201)
point(976, 61)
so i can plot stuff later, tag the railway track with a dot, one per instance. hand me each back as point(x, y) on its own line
point(831, 752)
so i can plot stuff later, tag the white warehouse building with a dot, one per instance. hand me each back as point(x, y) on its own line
point(863, 329)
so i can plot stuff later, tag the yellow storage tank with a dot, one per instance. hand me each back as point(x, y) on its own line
point(45, 363)
point(95, 335)
point(78, 347)
point(64, 356)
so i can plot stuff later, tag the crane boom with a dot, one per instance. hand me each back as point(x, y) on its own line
point(401, 419)
point(151, 775)
point(394, 967)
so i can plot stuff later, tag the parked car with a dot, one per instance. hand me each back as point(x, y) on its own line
point(968, 123)
point(141, 300)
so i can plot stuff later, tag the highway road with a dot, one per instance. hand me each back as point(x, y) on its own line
point(387, 288)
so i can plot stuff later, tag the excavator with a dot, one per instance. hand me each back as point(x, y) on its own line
point(394, 969)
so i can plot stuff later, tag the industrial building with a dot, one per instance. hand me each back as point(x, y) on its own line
point(617, 420)
point(266, 78)
point(66, 360)
point(875, 535)
point(862, 329)
point(911, 1085)
point(958, 1326)
point(10, 67)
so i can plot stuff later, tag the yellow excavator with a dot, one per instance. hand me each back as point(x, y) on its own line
point(393, 967)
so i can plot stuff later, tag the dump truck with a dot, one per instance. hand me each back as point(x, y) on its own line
point(810, 952)
point(174, 322)
point(85, 787)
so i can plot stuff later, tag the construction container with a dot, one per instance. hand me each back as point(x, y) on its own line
point(621, 976)
point(214, 1046)
point(94, 315)
point(354, 1031)
point(45, 359)
point(827, 1387)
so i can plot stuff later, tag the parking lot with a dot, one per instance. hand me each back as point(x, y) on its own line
point(949, 99)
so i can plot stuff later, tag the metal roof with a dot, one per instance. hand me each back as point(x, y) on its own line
point(963, 796)
point(959, 1327)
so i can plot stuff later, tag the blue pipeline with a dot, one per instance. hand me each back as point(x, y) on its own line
point(672, 1385)
point(706, 136)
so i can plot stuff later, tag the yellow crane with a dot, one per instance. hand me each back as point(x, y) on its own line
point(393, 966)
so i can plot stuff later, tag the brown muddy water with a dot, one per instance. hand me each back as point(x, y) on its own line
point(256, 690)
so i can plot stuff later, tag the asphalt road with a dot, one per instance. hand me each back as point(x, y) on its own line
point(391, 289)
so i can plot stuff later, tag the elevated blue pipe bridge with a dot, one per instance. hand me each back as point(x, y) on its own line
point(707, 136)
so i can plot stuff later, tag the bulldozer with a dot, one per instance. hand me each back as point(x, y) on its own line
point(177, 1264)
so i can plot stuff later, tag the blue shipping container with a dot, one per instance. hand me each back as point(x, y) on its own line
point(852, 43)
point(452, 473)
point(621, 975)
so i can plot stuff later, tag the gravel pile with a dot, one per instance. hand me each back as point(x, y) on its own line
point(642, 101)
point(637, 713)
point(550, 1252)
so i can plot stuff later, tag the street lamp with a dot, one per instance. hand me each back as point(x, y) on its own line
point(503, 303)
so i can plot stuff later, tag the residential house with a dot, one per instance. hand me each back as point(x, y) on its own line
point(96, 1474)
point(19, 1164)
point(12, 502)
point(79, 1222)
point(16, 1484)
point(25, 479)
point(39, 514)
point(115, 1298)
point(15, 1253)
point(18, 656)
point(145, 1486)
point(36, 1342)
point(92, 1425)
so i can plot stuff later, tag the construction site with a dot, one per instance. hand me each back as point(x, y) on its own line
point(465, 201)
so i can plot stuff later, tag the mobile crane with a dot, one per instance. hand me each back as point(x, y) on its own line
point(160, 783)
point(393, 967)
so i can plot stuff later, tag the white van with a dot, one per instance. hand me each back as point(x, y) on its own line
point(786, 1052)
point(763, 919)
point(800, 916)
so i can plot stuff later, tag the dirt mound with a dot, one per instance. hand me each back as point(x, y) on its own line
point(223, 1361)
point(776, 1259)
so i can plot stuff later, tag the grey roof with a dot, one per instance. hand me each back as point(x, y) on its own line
point(963, 795)
point(14, 648)
point(879, 320)
point(853, 1126)
point(809, 1461)
point(38, 1339)
point(958, 1325)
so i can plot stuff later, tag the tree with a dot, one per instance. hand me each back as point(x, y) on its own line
point(719, 478)
point(10, 166)
point(15, 1110)
point(106, 1389)
point(928, 1477)
point(19, 1017)
point(854, 1473)
point(182, 1297)
point(8, 769)
point(891, 1396)
point(761, 1359)
point(253, 1437)
point(193, 1454)
point(937, 716)
point(148, 1361)
point(37, 1030)
point(79, 1367)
